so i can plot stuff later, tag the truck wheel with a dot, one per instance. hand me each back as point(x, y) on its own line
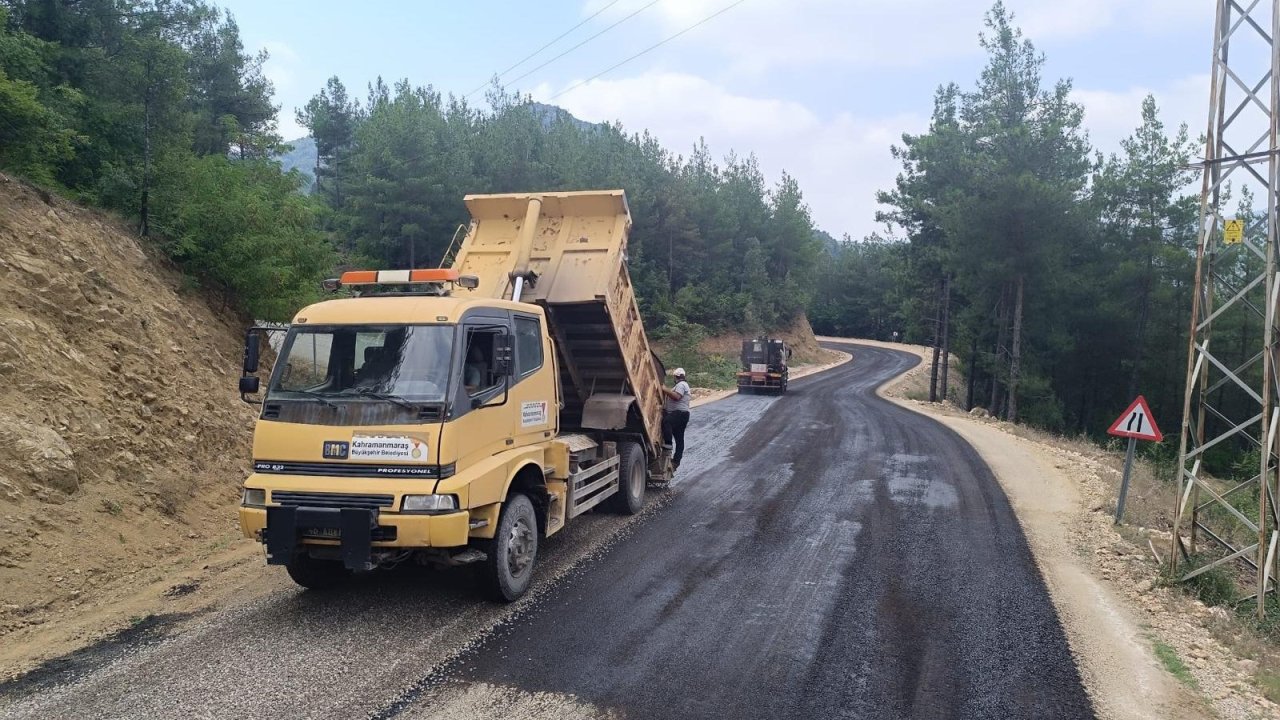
point(508, 569)
point(632, 480)
point(314, 574)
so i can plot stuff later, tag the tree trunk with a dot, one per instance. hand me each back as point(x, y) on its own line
point(946, 338)
point(973, 373)
point(1002, 330)
point(937, 344)
point(1015, 361)
point(144, 205)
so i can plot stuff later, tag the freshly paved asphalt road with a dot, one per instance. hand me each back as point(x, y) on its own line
point(824, 554)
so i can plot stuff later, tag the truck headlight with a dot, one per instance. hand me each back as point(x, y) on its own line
point(254, 497)
point(429, 503)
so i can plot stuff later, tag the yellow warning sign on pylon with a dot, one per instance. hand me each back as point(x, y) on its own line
point(1233, 232)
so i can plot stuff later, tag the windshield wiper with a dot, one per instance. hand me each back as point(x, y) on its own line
point(318, 397)
point(367, 392)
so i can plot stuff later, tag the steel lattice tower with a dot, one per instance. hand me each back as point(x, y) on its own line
point(1238, 404)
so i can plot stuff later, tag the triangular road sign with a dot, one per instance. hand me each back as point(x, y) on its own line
point(1137, 423)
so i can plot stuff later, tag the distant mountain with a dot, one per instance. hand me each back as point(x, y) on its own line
point(303, 159)
point(829, 243)
point(550, 113)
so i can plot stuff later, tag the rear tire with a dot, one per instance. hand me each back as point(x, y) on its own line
point(314, 574)
point(507, 571)
point(632, 480)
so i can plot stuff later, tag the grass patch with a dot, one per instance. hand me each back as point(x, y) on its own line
point(1215, 587)
point(1269, 683)
point(1269, 626)
point(708, 371)
point(677, 344)
point(1171, 662)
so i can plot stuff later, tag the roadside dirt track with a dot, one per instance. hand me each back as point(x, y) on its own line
point(826, 553)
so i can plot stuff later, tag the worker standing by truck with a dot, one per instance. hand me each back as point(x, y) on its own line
point(675, 418)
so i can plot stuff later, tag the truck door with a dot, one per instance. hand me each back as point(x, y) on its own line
point(534, 381)
point(484, 417)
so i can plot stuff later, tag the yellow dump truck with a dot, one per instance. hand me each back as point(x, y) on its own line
point(458, 416)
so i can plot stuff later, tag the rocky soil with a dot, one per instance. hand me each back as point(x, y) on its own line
point(122, 439)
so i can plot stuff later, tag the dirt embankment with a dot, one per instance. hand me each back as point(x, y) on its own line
point(1145, 650)
point(122, 439)
point(798, 336)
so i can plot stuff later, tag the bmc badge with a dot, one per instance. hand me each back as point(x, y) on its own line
point(336, 449)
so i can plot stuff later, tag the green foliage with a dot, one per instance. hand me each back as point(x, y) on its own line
point(680, 341)
point(859, 289)
point(1070, 273)
point(32, 137)
point(710, 244)
point(1214, 587)
point(244, 228)
point(139, 106)
point(1169, 659)
point(1269, 683)
point(1268, 627)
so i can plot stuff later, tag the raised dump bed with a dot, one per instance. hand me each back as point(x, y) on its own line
point(567, 252)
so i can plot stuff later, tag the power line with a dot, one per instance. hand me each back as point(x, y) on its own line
point(557, 39)
point(575, 47)
point(652, 47)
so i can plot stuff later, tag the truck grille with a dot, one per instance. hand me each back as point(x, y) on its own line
point(331, 500)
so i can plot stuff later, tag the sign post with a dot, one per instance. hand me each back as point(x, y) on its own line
point(1136, 423)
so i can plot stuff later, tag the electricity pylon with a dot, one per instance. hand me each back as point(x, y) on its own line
point(1228, 402)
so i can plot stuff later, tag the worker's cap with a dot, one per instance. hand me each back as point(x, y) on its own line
point(679, 372)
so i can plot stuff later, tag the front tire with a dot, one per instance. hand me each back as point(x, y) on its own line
point(507, 570)
point(632, 480)
point(314, 574)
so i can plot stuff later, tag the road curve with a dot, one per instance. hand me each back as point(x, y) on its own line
point(827, 553)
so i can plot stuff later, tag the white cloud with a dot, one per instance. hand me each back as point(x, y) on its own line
point(1053, 19)
point(758, 36)
point(842, 158)
point(840, 161)
point(1111, 116)
point(281, 68)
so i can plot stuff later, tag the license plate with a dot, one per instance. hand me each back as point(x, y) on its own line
point(332, 533)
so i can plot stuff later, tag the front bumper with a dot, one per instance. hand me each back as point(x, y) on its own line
point(355, 531)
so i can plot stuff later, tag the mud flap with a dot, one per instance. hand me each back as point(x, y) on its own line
point(354, 528)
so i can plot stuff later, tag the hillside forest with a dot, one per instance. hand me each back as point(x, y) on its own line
point(1058, 277)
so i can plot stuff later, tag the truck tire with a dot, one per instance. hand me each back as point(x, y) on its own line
point(314, 574)
point(632, 480)
point(507, 570)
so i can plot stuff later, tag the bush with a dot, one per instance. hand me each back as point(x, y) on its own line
point(241, 226)
point(1215, 587)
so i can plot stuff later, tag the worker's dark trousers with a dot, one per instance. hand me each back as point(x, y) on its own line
point(674, 423)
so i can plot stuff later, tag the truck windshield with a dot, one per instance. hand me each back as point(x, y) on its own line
point(386, 362)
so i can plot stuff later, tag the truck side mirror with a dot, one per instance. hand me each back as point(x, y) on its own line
point(252, 347)
point(249, 385)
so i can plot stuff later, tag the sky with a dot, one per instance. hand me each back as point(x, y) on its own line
point(820, 89)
